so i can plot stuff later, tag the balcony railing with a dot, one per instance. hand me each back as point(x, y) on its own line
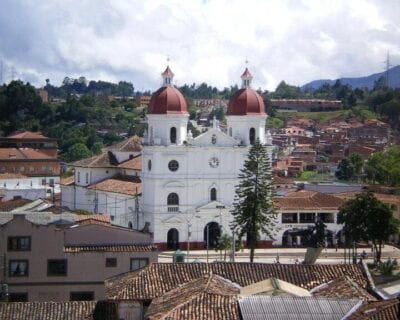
point(173, 208)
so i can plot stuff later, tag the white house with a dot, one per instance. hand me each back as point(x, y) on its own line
point(108, 183)
point(16, 185)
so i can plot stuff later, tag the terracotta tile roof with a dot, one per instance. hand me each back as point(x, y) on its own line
point(197, 299)
point(124, 185)
point(110, 248)
point(22, 154)
point(96, 217)
point(158, 278)
point(27, 135)
point(134, 164)
point(12, 176)
point(304, 199)
point(71, 310)
point(67, 181)
point(380, 196)
point(342, 287)
point(7, 206)
point(107, 157)
point(377, 310)
point(131, 144)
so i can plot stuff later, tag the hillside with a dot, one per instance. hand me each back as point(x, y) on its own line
point(360, 82)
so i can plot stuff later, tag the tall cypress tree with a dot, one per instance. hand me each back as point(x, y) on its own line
point(253, 209)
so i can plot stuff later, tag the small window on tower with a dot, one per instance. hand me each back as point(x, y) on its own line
point(149, 165)
point(172, 135)
point(252, 135)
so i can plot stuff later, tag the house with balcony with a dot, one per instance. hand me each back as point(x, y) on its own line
point(298, 210)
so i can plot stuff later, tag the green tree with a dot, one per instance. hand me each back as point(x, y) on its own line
point(384, 167)
point(350, 168)
point(224, 244)
point(77, 151)
point(253, 210)
point(366, 218)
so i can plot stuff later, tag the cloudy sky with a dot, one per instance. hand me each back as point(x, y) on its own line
point(207, 41)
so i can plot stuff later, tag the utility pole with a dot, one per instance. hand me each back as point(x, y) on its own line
point(137, 209)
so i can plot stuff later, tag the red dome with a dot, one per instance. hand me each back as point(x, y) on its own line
point(246, 102)
point(167, 100)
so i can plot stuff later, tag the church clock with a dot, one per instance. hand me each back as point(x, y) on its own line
point(213, 162)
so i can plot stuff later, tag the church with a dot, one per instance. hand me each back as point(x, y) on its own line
point(188, 183)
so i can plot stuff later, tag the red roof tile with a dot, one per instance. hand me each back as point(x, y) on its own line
point(110, 248)
point(134, 164)
point(158, 278)
point(71, 310)
point(27, 135)
point(123, 185)
point(308, 200)
point(22, 153)
point(6, 206)
point(377, 310)
point(198, 299)
point(342, 287)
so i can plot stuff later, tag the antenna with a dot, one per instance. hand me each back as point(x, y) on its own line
point(13, 73)
point(388, 66)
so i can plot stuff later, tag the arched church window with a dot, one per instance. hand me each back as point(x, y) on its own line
point(252, 135)
point(172, 135)
point(173, 202)
point(214, 139)
point(149, 165)
point(213, 194)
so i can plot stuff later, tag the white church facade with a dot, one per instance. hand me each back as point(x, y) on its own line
point(188, 184)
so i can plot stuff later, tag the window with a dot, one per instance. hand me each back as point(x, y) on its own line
point(79, 176)
point(326, 217)
point(173, 165)
point(213, 194)
point(214, 139)
point(173, 202)
point(43, 182)
point(51, 182)
point(18, 268)
point(17, 297)
point(172, 135)
point(87, 177)
point(289, 217)
point(19, 243)
point(81, 296)
point(252, 135)
point(149, 165)
point(22, 169)
point(307, 217)
point(138, 263)
point(111, 262)
point(56, 267)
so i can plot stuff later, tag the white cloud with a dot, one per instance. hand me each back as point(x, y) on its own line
point(208, 41)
